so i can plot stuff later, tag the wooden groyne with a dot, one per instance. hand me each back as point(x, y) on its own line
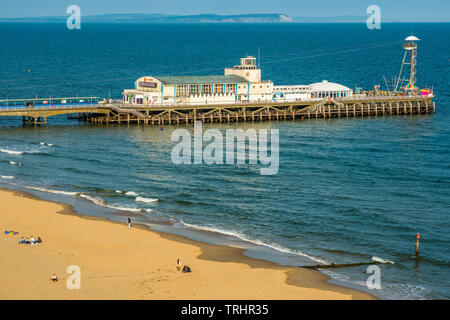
point(117, 113)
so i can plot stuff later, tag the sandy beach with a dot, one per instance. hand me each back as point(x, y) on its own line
point(117, 263)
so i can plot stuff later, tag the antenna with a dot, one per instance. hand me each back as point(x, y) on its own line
point(259, 58)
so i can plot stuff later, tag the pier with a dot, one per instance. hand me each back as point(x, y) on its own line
point(118, 113)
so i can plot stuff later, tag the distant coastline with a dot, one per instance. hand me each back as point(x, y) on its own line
point(207, 18)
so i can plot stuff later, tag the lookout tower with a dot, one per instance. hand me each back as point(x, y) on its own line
point(410, 47)
point(247, 69)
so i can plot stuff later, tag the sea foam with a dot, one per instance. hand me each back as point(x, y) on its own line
point(146, 200)
point(11, 151)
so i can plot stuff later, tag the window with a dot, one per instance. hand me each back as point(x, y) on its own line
point(181, 90)
point(218, 88)
point(206, 89)
point(231, 88)
point(193, 89)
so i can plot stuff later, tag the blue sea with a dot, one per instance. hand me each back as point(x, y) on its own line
point(347, 190)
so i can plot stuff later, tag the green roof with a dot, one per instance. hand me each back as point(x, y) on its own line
point(202, 79)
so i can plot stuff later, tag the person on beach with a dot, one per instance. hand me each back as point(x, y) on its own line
point(179, 265)
point(33, 241)
point(129, 223)
point(54, 278)
point(21, 241)
point(39, 240)
point(27, 241)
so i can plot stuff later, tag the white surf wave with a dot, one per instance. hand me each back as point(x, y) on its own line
point(46, 144)
point(11, 151)
point(132, 209)
point(68, 193)
point(131, 193)
point(146, 200)
point(381, 260)
point(14, 163)
point(96, 200)
point(245, 238)
point(7, 177)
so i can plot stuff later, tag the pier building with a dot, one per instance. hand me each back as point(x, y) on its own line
point(327, 89)
point(238, 84)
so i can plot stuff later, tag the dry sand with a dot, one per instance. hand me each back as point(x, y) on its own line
point(117, 263)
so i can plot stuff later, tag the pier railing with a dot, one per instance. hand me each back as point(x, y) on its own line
point(52, 107)
point(267, 101)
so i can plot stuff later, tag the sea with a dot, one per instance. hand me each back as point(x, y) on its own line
point(348, 190)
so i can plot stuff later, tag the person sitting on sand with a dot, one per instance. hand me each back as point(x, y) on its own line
point(179, 265)
point(54, 278)
point(27, 241)
point(39, 240)
point(32, 240)
point(21, 241)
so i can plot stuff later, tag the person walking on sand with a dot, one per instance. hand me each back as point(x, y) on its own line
point(129, 223)
point(178, 265)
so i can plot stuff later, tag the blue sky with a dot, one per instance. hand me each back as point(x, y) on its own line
point(390, 9)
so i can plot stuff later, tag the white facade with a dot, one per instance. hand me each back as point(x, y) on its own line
point(291, 93)
point(240, 83)
point(327, 89)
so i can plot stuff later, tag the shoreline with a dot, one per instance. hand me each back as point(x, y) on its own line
point(162, 282)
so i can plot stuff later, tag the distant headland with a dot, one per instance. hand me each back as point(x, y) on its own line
point(163, 18)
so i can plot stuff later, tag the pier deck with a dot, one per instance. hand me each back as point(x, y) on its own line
point(105, 113)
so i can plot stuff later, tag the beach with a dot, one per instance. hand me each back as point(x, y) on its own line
point(118, 263)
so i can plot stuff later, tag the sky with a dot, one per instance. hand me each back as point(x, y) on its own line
point(390, 9)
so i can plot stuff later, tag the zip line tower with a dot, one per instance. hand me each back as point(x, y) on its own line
point(410, 47)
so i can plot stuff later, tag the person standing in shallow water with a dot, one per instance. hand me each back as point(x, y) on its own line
point(129, 223)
